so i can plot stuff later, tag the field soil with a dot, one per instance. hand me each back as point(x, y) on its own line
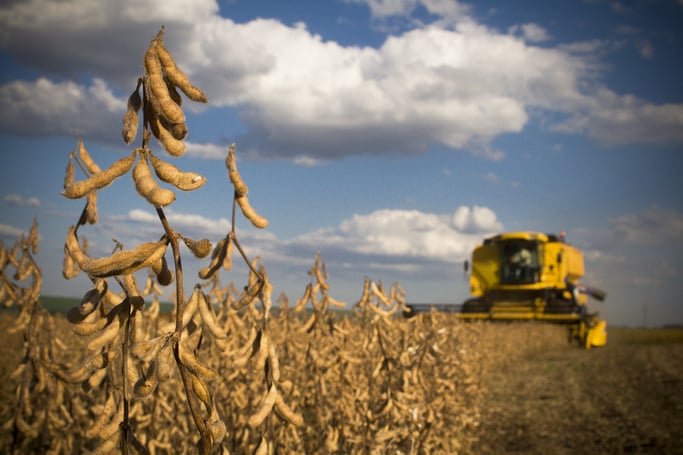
point(623, 398)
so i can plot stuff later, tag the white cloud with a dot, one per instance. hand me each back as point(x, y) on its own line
point(458, 84)
point(408, 235)
point(614, 120)
point(491, 177)
point(10, 231)
point(15, 199)
point(447, 11)
point(207, 151)
point(45, 107)
point(652, 226)
point(384, 8)
point(404, 236)
point(531, 32)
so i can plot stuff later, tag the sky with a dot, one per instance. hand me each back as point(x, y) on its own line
point(389, 136)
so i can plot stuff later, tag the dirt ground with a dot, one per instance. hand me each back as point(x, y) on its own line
point(623, 398)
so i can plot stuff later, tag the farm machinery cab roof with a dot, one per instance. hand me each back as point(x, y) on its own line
point(528, 276)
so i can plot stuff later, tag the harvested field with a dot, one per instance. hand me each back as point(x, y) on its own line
point(623, 398)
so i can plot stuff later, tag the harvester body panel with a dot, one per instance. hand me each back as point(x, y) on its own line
point(520, 276)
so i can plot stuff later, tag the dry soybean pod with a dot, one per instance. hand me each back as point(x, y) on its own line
point(208, 316)
point(169, 108)
point(169, 173)
point(200, 248)
point(286, 412)
point(101, 179)
point(73, 248)
point(248, 211)
point(127, 261)
point(173, 146)
point(87, 159)
point(217, 258)
point(69, 269)
point(175, 76)
point(147, 187)
point(264, 408)
point(130, 118)
point(91, 208)
point(70, 173)
point(227, 261)
point(192, 363)
point(163, 273)
point(241, 188)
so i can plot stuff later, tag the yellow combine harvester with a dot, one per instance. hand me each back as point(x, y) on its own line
point(528, 276)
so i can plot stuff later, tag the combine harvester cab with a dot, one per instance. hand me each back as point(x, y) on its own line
point(531, 276)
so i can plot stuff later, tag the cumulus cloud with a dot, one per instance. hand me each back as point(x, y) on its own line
point(406, 235)
point(43, 107)
point(391, 237)
point(457, 83)
point(614, 120)
point(10, 231)
point(652, 226)
point(15, 199)
point(531, 32)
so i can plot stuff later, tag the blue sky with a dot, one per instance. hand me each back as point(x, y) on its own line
point(390, 136)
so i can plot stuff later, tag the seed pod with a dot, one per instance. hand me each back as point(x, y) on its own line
point(217, 429)
point(147, 349)
point(201, 391)
point(263, 447)
point(127, 261)
point(133, 293)
point(264, 408)
point(147, 187)
point(217, 258)
point(319, 277)
point(308, 325)
point(192, 363)
point(208, 316)
point(200, 248)
point(175, 96)
point(334, 302)
point(190, 309)
point(130, 118)
point(169, 108)
point(176, 76)
point(227, 261)
point(262, 353)
point(70, 174)
point(248, 211)
point(101, 179)
point(107, 335)
point(284, 411)
point(69, 269)
point(173, 146)
point(146, 385)
point(167, 172)
point(241, 188)
point(274, 362)
point(95, 380)
point(90, 300)
point(87, 159)
point(163, 273)
point(178, 130)
point(91, 209)
point(165, 362)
